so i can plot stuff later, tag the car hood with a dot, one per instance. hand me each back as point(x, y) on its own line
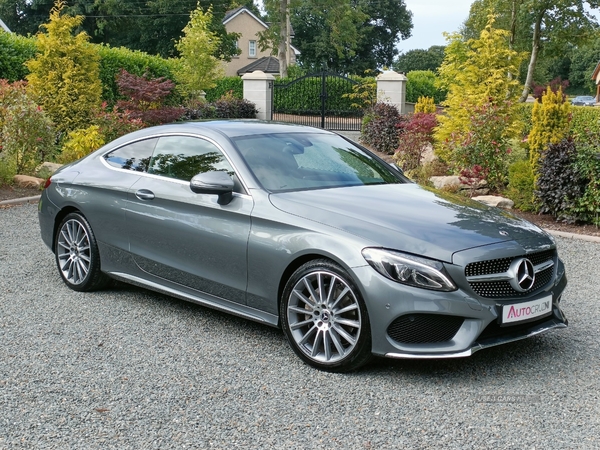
point(410, 218)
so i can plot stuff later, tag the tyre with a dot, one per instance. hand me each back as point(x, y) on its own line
point(325, 319)
point(77, 256)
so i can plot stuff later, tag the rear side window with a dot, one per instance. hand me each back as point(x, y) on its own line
point(135, 156)
point(183, 157)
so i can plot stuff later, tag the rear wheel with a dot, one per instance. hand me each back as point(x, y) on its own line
point(77, 256)
point(325, 319)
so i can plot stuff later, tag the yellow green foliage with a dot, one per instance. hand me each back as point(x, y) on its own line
point(80, 143)
point(64, 75)
point(550, 124)
point(26, 133)
point(198, 68)
point(476, 72)
point(520, 185)
point(425, 105)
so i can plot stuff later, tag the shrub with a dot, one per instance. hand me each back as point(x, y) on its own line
point(80, 143)
point(16, 50)
point(113, 60)
point(425, 105)
point(539, 90)
point(550, 124)
point(587, 165)
point(416, 133)
point(380, 128)
point(233, 86)
point(423, 83)
point(520, 185)
point(364, 93)
point(113, 123)
point(485, 144)
point(559, 185)
point(227, 107)
point(27, 137)
point(63, 76)
point(146, 97)
point(585, 124)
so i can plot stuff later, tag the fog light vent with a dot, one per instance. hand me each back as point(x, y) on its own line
point(424, 328)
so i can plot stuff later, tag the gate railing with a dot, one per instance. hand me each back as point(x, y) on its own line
point(317, 100)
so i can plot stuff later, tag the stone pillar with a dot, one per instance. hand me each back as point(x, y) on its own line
point(258, 89)
point(391, 89)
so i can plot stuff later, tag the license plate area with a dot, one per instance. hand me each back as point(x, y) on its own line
point(521, 312)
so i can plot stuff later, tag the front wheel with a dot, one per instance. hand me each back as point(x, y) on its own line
point(77, 256)
point(325, 319)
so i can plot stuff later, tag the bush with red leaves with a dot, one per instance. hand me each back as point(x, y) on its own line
point(146, 98)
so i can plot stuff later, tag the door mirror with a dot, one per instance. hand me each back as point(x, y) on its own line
point(216, 183)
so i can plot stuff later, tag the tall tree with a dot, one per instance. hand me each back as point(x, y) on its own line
point(198, 68)
point(545, 28)
point(419, 59)
point(347, 35)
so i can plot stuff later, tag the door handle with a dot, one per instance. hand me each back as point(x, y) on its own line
point(144, 194)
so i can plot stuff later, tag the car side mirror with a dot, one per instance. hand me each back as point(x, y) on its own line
point(215, 183)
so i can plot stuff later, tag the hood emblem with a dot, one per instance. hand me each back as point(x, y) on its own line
point(503, 233)
point(522, 275)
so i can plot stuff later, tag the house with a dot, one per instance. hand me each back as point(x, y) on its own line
point(243, 21)
point(596, 79)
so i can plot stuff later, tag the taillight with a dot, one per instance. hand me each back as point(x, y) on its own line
point(48, 182)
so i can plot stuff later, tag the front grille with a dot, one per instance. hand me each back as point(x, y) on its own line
point(424, 328)
point(503, 289)
point(500, 289)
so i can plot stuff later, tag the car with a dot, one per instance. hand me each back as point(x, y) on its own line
point(302, 229)
point(584, 100)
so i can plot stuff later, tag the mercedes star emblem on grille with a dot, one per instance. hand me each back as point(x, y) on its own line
point(523, 274)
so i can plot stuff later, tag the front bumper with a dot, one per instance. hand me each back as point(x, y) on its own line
point(478, 319)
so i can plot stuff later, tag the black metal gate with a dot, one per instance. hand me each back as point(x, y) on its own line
point(318, 100)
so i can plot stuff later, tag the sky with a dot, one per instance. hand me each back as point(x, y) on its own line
point(431, 18)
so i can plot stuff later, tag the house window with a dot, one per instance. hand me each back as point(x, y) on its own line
point(236, 44)
point(252, 49)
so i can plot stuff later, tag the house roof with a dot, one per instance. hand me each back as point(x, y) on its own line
point(268, 64)
point(230, 15)
point(596, 71)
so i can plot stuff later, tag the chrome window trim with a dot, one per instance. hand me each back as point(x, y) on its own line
point(158, 136)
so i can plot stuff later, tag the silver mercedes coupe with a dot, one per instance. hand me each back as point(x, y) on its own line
point(302, 229)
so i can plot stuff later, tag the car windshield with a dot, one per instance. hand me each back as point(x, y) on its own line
point(289, 162)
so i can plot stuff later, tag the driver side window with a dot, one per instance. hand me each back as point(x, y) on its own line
point(183, 157)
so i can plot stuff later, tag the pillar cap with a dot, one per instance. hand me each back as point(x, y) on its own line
point(390, 75)
point(258, 75)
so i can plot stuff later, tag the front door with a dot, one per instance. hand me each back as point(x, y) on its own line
point(188, 238)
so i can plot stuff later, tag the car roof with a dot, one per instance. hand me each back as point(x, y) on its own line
point(237, 128)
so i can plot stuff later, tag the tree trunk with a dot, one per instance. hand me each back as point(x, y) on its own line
point(283, 38)
point(534, 54)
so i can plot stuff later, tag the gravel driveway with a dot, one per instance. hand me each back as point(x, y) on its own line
point(127, 368)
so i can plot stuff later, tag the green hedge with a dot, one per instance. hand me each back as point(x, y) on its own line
point(423, 83)
point(304, 96)
point(15, 50)
point(225, 85)
point(112, 60)
point(585, 120)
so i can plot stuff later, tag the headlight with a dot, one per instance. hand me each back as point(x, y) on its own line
point(410, 270)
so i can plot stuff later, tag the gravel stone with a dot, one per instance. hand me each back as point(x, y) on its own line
point(127, 368)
